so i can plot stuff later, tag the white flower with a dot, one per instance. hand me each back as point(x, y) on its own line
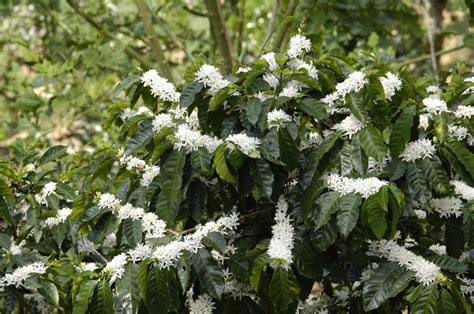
point(162, 120)
point(282, 241)
point(242, 70)
point(262, 96)
point(202, 305)
point(291, 89)
point(421, 214)
point(271, 79)
point(210, 143)
point(178, 113)
point(61, 217)
point(425, 271)
point(132, 162)
point(438, 249)
point(149, 174)
point(432, 89)
point(108, 200)
point(314, 138)
point(16, 249)
point(186, 138)
point(47, 190)
point(193, 120)
point(446, 206)
point(140, 252)
point(160, 86)
point(419, 149)
point(353, 83)
point(363, 186)
point(435, 105)
point(270, 59)
point(277, 117)
point(463, 189)
point(128, 211)
point(424, 121)
point(87, 266)
point(246, 144)
point(116, 267)
point(298, 44)
point(167, 255)
point(19, 275)
point(391, 83)
point(296, 64)
point(458, 132)
point(209, 75)
point(153, 226)
point(464, 112)
point(128, 113)
point(349, 126)
point(330, 100)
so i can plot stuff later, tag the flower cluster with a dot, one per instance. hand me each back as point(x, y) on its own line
point(277, 117)
point(116, 267)
point(202, 305)
point(390, 83)
point(353, 83)
point(296, 64)
point(61, 217)
point(464, 190)
point(434, 105)
point(148, 172)
point(19, 275)
point(349, 126)
point(282, 241)
point(108, 201)
point(363, 186)
point(162, 120)
point(191, 140)
point(438, 249)
point(129, 113)
point(246, 144)
point(160, 86)
point(298, 44)
point(464, 112)
point(270, 59)
point(47, 190)
point(419, 149)
point(447, 206)
point(209, 75)
point(425, 271)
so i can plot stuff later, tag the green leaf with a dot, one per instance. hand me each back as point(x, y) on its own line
point(357, 107)
point(325, 237)
point(265, 178)
point(189, 93)
point(129, 285)
point(372, 143)
point(385, 282)
point(454, 237)
point(141, 138)
point(375, 215)
point(445, 304)
point(345, 159)
point(440, 126)
point(289, 152)
point(328, 204)
point(201, 161)
point(358, 157)
point(50, 290)
point(426, 303)
point(132, 229)
point(216, 100)
point(83, 297)
point(102, 300)
point(209, 273)
point(171, 178)
point(253, 110)
point(463, 155)
point(282, 289)
point(449, 263)
point(258, 265)
point(401, 131)
point(436, 174)
point(215, 241)
point(53, 153)
point(348, 213)
point(124, 84)
point(417, 182)
point(314, 108)
point(221, 165)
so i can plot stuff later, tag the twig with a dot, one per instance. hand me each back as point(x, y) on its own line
point(240, 38)
point(220, 31)
point(129, 51)
point(154, 41)
point(429, 29)
point(428, 56)
point(286, 28)
point(194, 12)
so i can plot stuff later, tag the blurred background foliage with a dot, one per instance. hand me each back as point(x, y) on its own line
point(60, 59)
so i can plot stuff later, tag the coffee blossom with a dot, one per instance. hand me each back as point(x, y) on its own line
point(363, 186)
point(419, 149)
point(282, 241)
point(246, 144)
point(298, 44)
point(209, 75)
point(464, 190)
point(277, 117)
point(391, 83)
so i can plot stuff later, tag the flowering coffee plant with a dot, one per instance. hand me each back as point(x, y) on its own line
point(308, 182)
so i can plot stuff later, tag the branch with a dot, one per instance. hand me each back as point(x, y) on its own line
point(286, 28)
point(240, 38)
point(428, 56)
point(129, 51)
point(220, 31)
point(154, 41)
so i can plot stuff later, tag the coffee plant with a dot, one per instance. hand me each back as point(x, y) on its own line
point(308, 182)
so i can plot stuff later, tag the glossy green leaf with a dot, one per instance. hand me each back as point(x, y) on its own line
point(189, 93)
point(209, 273)
point(171, 178)
point(282, 289)
point(372, 143)
point(221, 165)
point(53, 153)
point(253, 110)
point(348, 213)
point(83, 297)
point(102, 300)
point(401, 131)
point(426, 303)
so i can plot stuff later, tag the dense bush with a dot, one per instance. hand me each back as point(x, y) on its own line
point(309, 181)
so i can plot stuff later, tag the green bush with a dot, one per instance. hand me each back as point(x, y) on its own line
point(310, 182)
